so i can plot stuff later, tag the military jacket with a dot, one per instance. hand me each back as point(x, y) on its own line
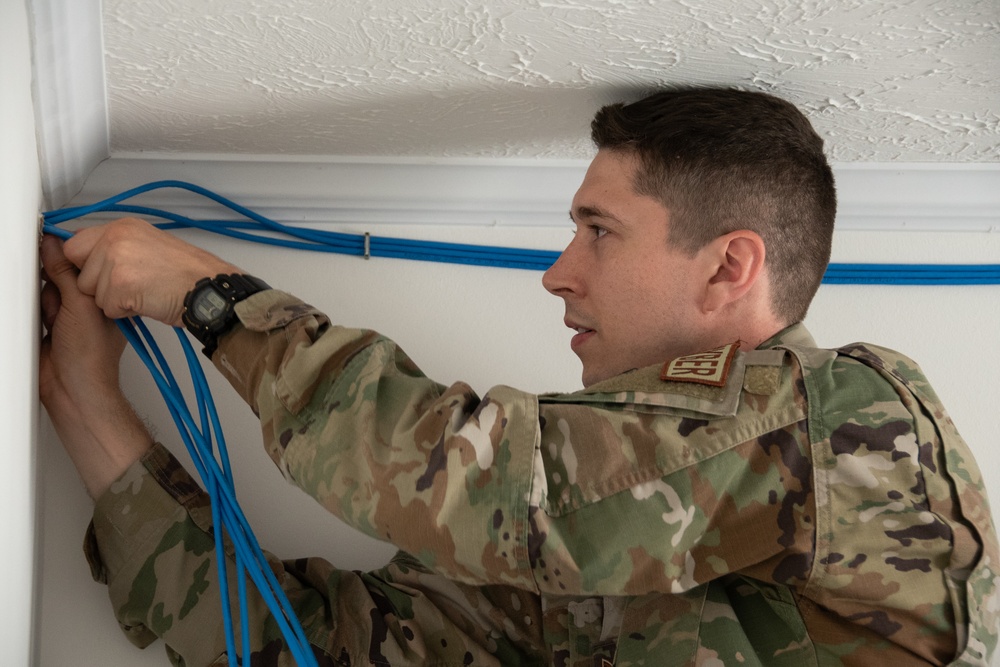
point(781, 506)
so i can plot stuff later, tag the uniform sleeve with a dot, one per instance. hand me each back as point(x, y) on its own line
point(495, 489)
point(438, 471)
point(151, 542)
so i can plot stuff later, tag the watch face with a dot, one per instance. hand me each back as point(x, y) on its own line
point(208, 306)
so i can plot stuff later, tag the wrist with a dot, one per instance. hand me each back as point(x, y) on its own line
point(123, 439)
point(209, 308)
point(189, 279)
point(103, 437)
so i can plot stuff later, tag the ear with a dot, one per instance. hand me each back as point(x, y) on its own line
point(734, 262)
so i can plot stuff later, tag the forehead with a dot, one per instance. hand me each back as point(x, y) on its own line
point(607, 190)
point(610, 172)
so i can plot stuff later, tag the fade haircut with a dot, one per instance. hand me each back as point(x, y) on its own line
point(722, 159)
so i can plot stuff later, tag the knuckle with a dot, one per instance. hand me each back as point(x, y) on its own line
point(116, 232)
point(121, 277)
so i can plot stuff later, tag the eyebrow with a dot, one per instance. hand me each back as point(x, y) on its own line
point(592, 212)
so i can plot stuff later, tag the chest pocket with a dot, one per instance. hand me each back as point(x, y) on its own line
point(633, 430)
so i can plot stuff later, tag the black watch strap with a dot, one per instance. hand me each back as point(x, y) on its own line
point(228, 289)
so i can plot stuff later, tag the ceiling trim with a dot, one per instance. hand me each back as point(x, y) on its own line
point(71, 111)
point(510, 192)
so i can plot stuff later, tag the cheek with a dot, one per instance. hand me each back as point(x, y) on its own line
point(662, 304)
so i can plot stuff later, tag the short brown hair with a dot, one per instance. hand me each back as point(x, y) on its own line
point(722, 159)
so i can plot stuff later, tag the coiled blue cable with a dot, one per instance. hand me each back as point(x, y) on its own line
point(218, 480)
point(216, 473)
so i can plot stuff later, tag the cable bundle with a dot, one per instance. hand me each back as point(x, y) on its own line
point(226, 512)
point(364, 245)
point(912, 274)
point(216, 473)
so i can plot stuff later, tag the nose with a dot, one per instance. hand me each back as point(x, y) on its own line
point(561, 278)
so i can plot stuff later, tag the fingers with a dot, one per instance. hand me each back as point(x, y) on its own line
point(132, 268)
point(61, 292)
point(58, 269)
point(79, 248)
point(85, 251)
point(102, 274)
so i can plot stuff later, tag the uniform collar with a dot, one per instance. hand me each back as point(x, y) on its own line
point(796, 335)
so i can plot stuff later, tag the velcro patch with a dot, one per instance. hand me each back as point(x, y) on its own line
point(762, 380)
point(711, 368)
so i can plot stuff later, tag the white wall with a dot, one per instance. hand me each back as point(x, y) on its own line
point(20, 193)
point(493, 326)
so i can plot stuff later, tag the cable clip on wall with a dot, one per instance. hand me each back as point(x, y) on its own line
point(204, 438)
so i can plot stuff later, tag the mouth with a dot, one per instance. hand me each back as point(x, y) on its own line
point(583, 334)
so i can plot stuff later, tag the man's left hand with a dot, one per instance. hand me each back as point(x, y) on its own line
point(133, 268)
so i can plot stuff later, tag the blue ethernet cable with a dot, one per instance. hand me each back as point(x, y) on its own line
point(457, 253)
point(218, 480)
point(131, 329)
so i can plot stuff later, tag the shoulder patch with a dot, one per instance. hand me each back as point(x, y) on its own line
point(711, 367)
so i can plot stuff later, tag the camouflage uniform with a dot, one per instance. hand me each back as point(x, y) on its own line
point(798, 507)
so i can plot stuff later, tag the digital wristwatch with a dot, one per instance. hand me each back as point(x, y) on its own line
point(209, 307)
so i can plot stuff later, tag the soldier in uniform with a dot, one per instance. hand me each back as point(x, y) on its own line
point(774, 503)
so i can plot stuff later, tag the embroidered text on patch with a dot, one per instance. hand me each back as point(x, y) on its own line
point(711, 368)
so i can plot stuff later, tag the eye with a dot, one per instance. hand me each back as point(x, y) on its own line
point(597, 231)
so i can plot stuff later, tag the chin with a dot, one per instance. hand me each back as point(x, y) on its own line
point(593, 377)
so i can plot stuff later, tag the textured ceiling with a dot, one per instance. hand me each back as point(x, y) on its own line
point(882, 80)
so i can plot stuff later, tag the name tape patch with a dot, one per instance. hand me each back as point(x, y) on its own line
point(711, 368)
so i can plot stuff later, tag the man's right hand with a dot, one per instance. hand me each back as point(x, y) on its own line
point(133, 268)
point(78, 378)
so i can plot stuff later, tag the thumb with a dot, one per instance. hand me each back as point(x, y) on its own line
point(51, 303)
point(58, 269)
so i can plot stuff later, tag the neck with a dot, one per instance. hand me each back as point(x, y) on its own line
point(751, 328)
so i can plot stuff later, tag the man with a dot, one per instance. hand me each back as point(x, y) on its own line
point(721, 492)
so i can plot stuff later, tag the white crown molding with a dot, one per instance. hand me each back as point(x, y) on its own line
point(918, 196)
point(354, 190)
point(904, 197)
point(71, 114)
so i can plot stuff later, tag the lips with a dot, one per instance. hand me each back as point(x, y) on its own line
point(583, 334)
